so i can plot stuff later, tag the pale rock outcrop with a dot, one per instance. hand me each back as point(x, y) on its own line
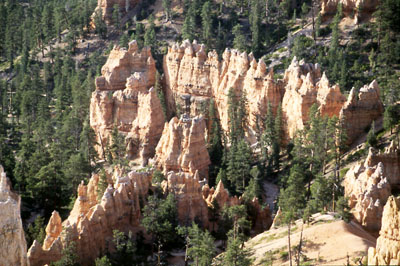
point(188, 194)
point(12, 238)
point(304, 86)
point(90, 224)
point(193, 77)
point(220, 195)
point(350, 7)
point(387, 251)
point(124, 98)
point(107, 7)
point(182, 147)
point(368, 189)
point(360, 110)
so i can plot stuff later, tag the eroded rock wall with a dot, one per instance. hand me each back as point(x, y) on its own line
point(124, 98)
point(90, 223)
point(368, 189)
point(360, 110)
point(12, 238)
point(182, 147)
point(387, 251)
point(356, 8)
point(192, 74)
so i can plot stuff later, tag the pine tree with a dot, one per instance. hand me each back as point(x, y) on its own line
point(150, 34)
point(189, 25)
point(239, 41)
point(206, 21)
point(201, 248)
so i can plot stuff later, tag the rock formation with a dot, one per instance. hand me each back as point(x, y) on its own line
point(194, 77)
point(12, 238)
point(355, 7)
point(187, 189)
point(368, 189)
point(304, 87)
point(361, 109)
point(124, 99)
point(387, 251)
point(182, 147)
point(107, 7)
point(90, 224)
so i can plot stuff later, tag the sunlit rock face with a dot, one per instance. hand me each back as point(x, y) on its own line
point(387, 251)
point(90, 223)
point(360, 110)
point(182, 147)
point(193, 77)
point(12, 238)
point(351, 8)
point(304, 87)
point(125, 98)
point(368, 189)
point(107, 7)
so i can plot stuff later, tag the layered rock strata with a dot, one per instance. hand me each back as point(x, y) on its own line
point(124, 98)
point(361, 109)
point(182, 147)
point(368, 189)
point(187, 189)
point(90, 224)
point(387, 251)
point(12, 238)
point(193, 77)
point(304, 87)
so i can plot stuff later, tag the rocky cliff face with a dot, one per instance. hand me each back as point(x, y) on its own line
point(187, 189)
point(124, 99)
point(368, 190)
point(90, 224)
point(107, 7)
point(194, 77)
point(304, 87)
point(358, 8)
point(12, 238)
point(360, 110)
point(182, 147)
point(387, 251)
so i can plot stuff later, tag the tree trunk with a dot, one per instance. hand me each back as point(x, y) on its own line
point(290, 247)
point(300, 244)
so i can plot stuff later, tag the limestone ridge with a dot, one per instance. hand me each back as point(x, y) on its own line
point(182, 147)
point(368, 189)
point(12, 238)
point(90, 224)
point(304, 86)
point(191, 74)
point(361, 109)
point(368, 185)
point(387, 251)
point(124, 99)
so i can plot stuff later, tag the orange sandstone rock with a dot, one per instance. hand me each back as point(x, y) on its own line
point(182, 147)
point(12, 238)
point(387, 251)
point(90, 224)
